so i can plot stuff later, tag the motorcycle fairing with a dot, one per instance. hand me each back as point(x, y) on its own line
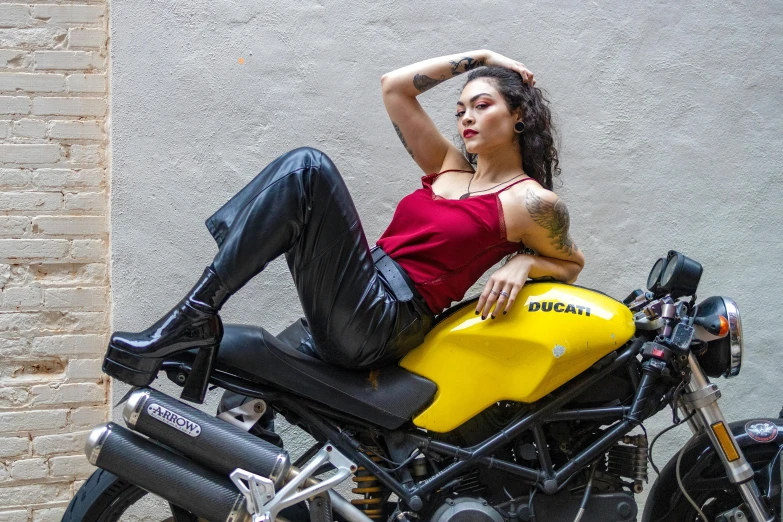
point(553, 333)
point(699, 453)
point(388, 397)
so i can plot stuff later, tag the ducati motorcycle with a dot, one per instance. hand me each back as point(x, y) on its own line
point(537, 417)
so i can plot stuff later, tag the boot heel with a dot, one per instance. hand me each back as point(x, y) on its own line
point(195, 388)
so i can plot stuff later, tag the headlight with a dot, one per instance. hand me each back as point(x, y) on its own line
point(718, 323)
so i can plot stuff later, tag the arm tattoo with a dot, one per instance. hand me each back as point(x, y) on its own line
point(422, 82)
point(402, 139)
point(552, 217)
point(465, 65)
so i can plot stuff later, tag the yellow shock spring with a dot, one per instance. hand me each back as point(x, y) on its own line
point(370, 487)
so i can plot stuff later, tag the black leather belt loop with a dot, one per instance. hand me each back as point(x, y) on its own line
point(396, 278)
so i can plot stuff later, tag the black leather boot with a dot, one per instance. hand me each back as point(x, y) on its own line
point(135, 358)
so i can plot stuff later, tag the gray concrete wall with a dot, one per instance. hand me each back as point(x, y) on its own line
point(670, 117)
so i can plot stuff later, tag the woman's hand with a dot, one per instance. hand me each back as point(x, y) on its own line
point(503, 286)
point(493, 58)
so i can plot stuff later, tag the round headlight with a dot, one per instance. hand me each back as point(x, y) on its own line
point(718, 322)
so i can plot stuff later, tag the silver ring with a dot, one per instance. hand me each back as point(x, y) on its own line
point(504, 293)
point(493, 292)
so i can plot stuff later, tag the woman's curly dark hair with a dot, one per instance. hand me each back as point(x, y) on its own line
point(537, 141)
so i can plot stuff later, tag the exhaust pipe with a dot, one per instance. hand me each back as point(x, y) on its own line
point(207, 440)
point(176, 479)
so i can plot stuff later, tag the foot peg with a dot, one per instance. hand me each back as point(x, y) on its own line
point(264, 503)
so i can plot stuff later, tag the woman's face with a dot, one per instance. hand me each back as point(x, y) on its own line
point(483, 118)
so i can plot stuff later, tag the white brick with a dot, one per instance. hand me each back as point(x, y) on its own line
point(71, 298)
point(66, 274)
point(15, 397)
point(67, 60)
point(14, 58)
point(65, 178)
point(14, 178)
point(61, 443)
point(71, 466)
point(69, 225)
point(49, 514)
point(5, 128)
point(84, 322)
point(86, 250)
point(29, 469)
point(34, 494)
point(76, 393)
point(21, 297)
point(86, 154)
point(87, 14)
point(30, 154)
point(85, 369)
point(69, 106)
point(15, 15)
point(88, 416)
point(18, 347)
point(86, 201)
point(29, 128)
point(14, 105)
point(20, 249)
point(13, 516)
point(32, 38)
point(76, 130)
point(14, 446)
point(31, 420)
point(19, 371)
point(69, 345)
point(38, 201)
point(32, 82)
point(86, 83)
point(82, 37)
point(13, 225)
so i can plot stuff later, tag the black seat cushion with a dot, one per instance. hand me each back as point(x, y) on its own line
point(388, 397)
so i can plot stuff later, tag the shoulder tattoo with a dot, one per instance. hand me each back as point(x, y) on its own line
point(402, 139)
point(423, 83)
point(554, 218)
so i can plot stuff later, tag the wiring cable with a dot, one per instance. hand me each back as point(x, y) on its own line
point(682, 487)
point(586, 496)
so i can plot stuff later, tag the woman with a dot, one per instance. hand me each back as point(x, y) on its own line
point(368, 308)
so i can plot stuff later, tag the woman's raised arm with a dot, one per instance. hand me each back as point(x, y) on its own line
point(418, 133)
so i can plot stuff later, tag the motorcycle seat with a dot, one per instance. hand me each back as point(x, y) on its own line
point(389, 396)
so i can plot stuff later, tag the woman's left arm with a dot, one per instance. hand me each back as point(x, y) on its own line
point(541, 221)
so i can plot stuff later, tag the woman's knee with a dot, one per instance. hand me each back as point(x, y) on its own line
point(314, 161)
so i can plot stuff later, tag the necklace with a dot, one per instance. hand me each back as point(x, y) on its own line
point(467, 194)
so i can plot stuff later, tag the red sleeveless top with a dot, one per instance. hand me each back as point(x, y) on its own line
point(446, 245)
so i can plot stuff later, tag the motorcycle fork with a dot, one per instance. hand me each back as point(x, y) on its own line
point(702, 397)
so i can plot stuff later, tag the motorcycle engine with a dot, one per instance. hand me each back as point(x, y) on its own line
point(466, 509)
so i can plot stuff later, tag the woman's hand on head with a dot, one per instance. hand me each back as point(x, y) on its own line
point(493, 58)
point(502, 288)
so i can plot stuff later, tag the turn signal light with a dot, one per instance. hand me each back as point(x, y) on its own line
point(724, 326)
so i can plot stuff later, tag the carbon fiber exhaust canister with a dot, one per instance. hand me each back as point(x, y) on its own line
point(207, 440)
point(176, 479)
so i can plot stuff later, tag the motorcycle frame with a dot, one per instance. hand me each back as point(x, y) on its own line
point(548, 479)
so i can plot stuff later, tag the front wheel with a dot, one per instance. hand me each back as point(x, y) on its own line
point(705, 480)
point(107, 498)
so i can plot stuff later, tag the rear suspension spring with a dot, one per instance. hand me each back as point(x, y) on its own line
point(369, 486)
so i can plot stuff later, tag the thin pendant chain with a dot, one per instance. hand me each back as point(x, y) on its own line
point(468, 193)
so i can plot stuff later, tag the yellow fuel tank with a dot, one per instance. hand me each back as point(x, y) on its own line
point(553, 333)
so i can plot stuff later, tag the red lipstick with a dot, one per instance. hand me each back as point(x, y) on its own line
point(469, 133)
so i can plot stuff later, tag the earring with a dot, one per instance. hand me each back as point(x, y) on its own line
point(519, 127)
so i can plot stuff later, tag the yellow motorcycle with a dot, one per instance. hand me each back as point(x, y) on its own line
point(539, 416)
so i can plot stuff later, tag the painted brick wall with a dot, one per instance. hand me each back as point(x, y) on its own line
point(54, 282)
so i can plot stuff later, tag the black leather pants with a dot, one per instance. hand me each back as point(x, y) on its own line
point(299, 206)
